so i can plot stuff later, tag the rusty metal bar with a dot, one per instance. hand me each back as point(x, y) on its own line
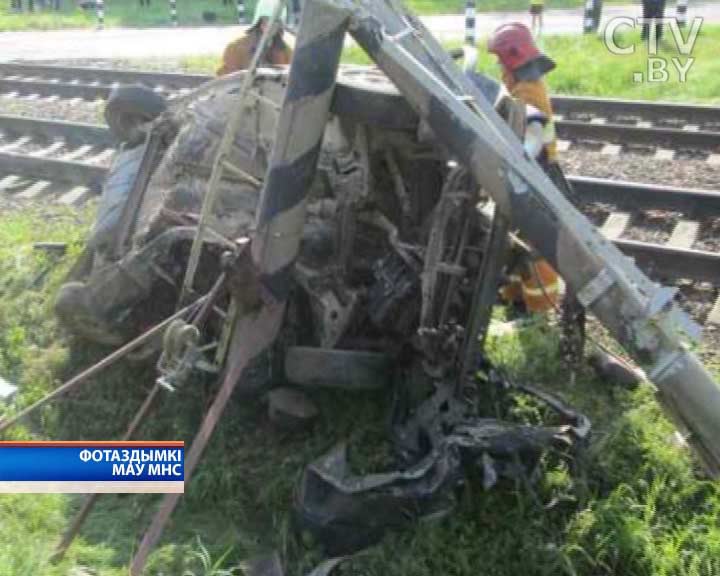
point(280, 220)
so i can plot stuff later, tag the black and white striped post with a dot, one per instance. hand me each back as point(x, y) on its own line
point(298, 139)
point(470, 22)
point(591, 16)
point(681, 13)
point(280, 219)
point(100, 10)
point(173, 12)
point(241, 11)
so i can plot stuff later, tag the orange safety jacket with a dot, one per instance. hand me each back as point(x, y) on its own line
point(239, 53)
point(535, 282)
point(534, 93)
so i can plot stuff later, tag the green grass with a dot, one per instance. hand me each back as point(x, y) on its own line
point(586, 67)
point(126, 13)
point(458, 6)
point(69, 17)
point(129, 13)
point(632, 505)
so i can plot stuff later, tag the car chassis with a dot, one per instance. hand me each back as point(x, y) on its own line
point(358, 230)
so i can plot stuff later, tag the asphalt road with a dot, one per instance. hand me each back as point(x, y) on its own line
point(122, 43)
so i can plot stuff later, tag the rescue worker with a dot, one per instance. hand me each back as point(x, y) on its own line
point(533, 281)
point(534, 284)
point(239, 53)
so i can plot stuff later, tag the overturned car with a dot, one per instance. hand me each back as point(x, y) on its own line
point(352, 242)
point(384, 284)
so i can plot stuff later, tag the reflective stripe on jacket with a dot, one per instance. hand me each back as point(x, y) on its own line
point(537, 286)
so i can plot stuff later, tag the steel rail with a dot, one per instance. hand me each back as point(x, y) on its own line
point(108, 76)
point(664, 261)
point(654, 195)
point(649, 111)
point(71, 132)
point(54, 170)
point(668, 262)
point(96, 83)
point(694, 114)
point(65, 90)
point(672, 138)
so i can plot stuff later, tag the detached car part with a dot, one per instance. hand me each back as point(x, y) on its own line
point(365, 236)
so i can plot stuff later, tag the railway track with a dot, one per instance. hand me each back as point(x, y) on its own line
point(681, 221)
point(663, 127)
point(63, 162)
point(67, 162)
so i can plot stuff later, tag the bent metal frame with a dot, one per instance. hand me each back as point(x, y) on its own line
point(639, 313)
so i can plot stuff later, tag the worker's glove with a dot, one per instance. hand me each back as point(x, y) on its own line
point(534, 139)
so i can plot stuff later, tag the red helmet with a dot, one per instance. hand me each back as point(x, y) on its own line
point(514, 45)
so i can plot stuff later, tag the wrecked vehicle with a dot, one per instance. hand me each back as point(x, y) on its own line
point(356, 240)
point(382, 287)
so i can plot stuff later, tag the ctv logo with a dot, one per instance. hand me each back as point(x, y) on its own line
point(659, 68)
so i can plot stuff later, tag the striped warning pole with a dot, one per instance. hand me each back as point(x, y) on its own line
point(280, 219)
point(241, 11)
point(298, 139)
point(100, 10)
point(591, 16)
point(681, 12)
point(173, 12)
point(470, 22)
point(587, 17)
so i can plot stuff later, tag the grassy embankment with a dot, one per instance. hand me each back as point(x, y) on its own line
point(634, 507)
point(190, 12)
point(118, 13)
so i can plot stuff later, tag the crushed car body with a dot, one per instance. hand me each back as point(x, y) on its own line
point(359, 233)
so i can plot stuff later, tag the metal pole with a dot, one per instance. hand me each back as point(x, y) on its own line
point(241, 11)
point(91, 499)
point(137, 420)
point(100, 9)
point(221, 160)
point(173, 12)
point(298, 139)
point(470, 22)
point(280, 220)
point(638, 312)
point(681, 12)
